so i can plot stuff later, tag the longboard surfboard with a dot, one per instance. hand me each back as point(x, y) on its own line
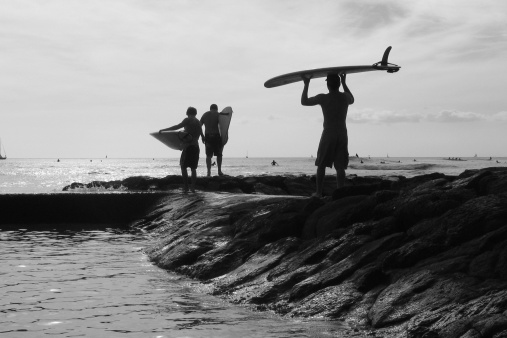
point(322, 72)
point(173, 139)
point(224, 121)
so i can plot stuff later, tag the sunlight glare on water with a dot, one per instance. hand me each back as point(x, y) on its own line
point(48, 175)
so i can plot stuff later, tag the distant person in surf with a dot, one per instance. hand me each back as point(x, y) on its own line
point(333, 146)
point(274, 163)
point(212, 138)
point(190, 154)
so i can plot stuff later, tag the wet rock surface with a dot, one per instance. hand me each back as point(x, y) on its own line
point(297, 185)
point(395, 257)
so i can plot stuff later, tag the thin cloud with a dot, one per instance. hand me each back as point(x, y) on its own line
point(459, 33)
point(449, 116)
point(500, 116)
point(445, 116)
point(370, 16)
point(485, 41)
point(377, 117)
point(425, 25)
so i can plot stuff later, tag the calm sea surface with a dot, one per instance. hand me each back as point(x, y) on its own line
point(48, 175)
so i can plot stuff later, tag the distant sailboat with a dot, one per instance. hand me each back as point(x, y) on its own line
point(2, 157)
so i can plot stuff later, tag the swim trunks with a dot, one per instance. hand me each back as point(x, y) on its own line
point(333, 149)
point(213, 145)
point(190, 157)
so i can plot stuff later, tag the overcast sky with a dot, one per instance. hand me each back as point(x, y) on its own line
point(94, 78)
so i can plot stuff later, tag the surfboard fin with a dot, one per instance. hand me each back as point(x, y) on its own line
point(386, 55)
point(384, 65)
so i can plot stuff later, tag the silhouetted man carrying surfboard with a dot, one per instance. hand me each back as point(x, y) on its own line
point(190, 155)
point(212, 138)
point(333, 146)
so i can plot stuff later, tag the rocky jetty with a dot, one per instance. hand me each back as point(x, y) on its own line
point(298, 185)
point(392, 257)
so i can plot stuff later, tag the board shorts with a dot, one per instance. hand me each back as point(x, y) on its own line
point(213, 145)
point(190, 157)
point(333, 149)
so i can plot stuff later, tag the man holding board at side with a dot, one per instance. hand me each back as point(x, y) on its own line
point(212, 138)
point(333, 146)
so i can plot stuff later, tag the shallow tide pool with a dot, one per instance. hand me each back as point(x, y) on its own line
point(98, 283)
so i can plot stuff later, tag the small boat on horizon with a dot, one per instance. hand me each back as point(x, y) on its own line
point(2, 157)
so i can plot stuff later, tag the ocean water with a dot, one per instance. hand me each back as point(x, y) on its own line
point(48, 175)
point(97, 283)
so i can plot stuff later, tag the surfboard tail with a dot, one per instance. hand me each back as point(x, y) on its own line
point(384, 64)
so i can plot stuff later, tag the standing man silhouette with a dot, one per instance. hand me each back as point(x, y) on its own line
point(190, 155)
point(333, 146)
point(212, 138)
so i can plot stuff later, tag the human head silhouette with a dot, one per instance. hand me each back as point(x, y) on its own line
point(191, 111)
point(333, 81)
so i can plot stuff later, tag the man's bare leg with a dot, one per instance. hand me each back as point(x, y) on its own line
point(321, 173)
point(193, 179)
point(208, 165)
point(219, 164)
point(340, 177)
point(185, 179)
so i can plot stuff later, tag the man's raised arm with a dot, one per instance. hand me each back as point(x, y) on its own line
point(176, 127)
point(305, 101)
point(346, 88)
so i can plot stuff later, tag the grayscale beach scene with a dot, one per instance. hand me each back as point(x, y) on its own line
point(224, 168)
